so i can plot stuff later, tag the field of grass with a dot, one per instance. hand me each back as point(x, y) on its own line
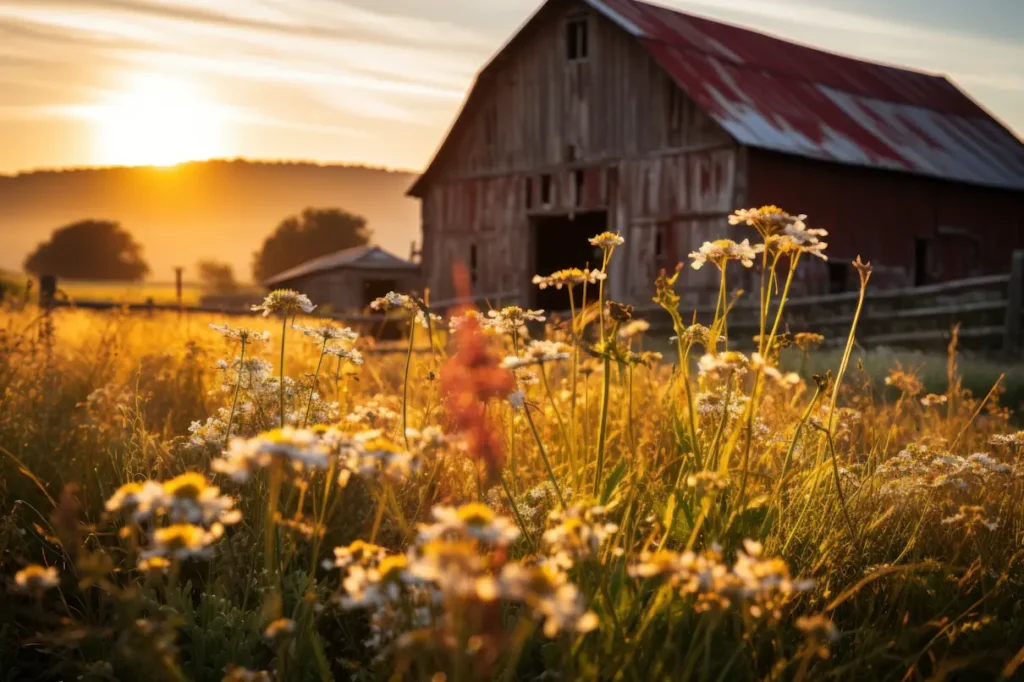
point(279, 502)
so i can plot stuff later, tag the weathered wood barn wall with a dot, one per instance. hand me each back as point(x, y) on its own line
point(592, 109)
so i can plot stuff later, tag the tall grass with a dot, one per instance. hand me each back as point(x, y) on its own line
point(519, 498)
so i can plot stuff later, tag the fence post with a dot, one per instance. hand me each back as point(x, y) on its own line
point(1014, 303)
point(47, 291)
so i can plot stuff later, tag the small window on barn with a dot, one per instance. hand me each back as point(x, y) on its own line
point(529, 193)
point(659, 242)
point(474, 270)
point(545, 189)
point(577, 181)
point(576, 39)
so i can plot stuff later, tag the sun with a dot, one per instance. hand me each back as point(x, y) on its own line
point(158, 121)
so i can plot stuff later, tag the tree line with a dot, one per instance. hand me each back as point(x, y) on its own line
point(106, 250)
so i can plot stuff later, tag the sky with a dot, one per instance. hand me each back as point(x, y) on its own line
point(126, 82)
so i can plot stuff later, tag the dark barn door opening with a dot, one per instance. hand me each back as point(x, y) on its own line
point(560, 242)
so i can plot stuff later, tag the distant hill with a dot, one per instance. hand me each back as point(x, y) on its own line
point(206, 209)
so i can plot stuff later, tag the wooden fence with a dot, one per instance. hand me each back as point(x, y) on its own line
point(988, 310)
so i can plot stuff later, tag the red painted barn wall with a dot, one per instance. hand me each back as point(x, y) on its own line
point(879, 215)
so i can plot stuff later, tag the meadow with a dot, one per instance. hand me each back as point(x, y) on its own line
point(520, 496)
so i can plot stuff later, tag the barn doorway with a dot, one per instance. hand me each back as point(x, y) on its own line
point(560, 242)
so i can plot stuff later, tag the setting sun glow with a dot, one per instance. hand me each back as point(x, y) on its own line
point(158, 121)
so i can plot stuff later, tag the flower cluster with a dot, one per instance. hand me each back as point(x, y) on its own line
point(569, 277)
point(723, 365)
point(577, 534)
point(284, 302)
point(241, 334)
point(416, 307)
point(607, 240)
point(721, 251)
point(538, 353)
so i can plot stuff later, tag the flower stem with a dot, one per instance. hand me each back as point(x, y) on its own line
point(234, 401)
point(312, 387)
point(405, 389)
point(284, 330)
point(544, 456)
point(602, 425)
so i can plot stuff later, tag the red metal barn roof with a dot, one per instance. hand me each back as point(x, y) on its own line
point(776, 95)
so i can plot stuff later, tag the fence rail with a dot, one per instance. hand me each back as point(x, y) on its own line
point(988, 310)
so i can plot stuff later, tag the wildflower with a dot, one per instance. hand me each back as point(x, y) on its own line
point(551, 598)
point(510, 319)
point(720, 251)
point(301, 448)
point(36, 578)
point(517, 399)
point(359, 553)
point(767, 220)
point(1015, 439)
point(798, 238)
point(807, 341)
point(237, 674)
point(577, 534)
point(190, 498)
point(374, 414)
point(136, 499)
point(241, 333)
point(569, 277)
point(473, 520)
point(347, 354)
point(633, 328)
point(906, 382)
point(393, 301)
point(933, 399)
point(722, 364)
point(971, 518)
point(607, 240)
point(279, 629)
point(820, 632)
point(538, 353)
point(375, 585)
point(183, 541)
point(328, 332)
point(154, 564)
point(787, 380)
point(285, 302)
point(706, 483)
point(987, 462)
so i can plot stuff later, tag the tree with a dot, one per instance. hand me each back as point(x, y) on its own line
point(217, 277)
point(317, 232)
point(89, 249)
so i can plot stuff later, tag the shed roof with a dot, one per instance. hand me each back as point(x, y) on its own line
point(773, 94)
point(356, 258)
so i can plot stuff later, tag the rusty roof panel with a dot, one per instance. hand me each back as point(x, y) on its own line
point(777, 95)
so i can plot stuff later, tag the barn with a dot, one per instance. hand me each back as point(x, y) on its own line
point(630, 117)
point(348, 280)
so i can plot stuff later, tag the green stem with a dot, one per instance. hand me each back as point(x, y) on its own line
point(234, 401)
point(405, 390)
point(602, 426)
point(312, 387)
point(544, 456)
point(284, 331)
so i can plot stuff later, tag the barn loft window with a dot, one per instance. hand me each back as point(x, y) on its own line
point(576, 39)
point(577, 181)
point(474, 271)
point(545, 189)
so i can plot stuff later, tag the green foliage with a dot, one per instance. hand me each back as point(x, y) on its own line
point(314, 233)
point(89, 249)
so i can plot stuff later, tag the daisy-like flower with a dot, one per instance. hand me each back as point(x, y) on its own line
point(1015, 439)
point(537, 353)
point(517, 399)
point(787, 380)
point(376, 585)
point(933, 400)
point(183, 541)
point(607, 240)
point(511, 318)
point(359, 553)
point(240, 333)
point(36, 578)
point(798, 238)
point(300, 448)
point(154, 564)
point(548, 595)
point(328, 332)
point(138, 500)
point(393, 301)
point(284, 302)
point(569, 277)
point(807, 341)
point(721, 251)
point(576, 534)
point(474, 520)
point(190, 498)
point(767, 220)
point(723, 364)
point(349, 355)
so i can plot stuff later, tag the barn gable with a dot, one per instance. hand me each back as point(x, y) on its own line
point(772, 94)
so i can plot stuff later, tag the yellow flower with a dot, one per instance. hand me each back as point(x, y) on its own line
point(36, 578)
